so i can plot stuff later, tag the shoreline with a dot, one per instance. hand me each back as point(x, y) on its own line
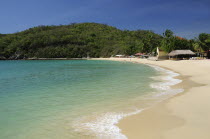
point(48, 59)
point(178, 116)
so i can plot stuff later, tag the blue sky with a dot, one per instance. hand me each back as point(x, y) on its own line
point(186, 18)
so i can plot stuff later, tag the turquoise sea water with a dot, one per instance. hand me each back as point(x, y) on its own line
point(64, 99)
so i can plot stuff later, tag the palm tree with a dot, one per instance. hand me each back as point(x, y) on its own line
point(167, 44)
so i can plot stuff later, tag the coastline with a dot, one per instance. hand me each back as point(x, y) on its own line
point(182, 116)
point(48, 59)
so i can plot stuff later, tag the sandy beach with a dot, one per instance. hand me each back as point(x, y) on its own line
point(184, 116)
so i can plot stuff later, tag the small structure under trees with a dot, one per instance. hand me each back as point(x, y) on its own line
point(161, 55)
point(141, 55)
point(119, 56)
point(181, 54)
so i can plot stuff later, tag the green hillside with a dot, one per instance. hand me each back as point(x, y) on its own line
point(75, 41)
point(80, 40)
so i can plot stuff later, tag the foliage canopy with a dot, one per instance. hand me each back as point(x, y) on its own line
point(96, 40)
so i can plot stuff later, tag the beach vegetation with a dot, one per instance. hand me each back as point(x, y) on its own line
point(78, 40)
point(204, 41)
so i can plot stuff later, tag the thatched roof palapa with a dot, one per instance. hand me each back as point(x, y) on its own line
point(181, 52)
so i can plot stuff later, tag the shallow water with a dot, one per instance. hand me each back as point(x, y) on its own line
point(64, 99)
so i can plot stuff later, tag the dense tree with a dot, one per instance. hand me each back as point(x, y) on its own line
point(96, 40)
point(204, 41)
point(171, 42)
point(76, 40)
point(168, 33)
point(168, 42)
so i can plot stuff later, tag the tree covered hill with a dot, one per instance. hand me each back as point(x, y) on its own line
point(93, 39)
point(76, 41)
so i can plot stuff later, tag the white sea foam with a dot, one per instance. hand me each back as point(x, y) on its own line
point(168, 80)
point(104, 127)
